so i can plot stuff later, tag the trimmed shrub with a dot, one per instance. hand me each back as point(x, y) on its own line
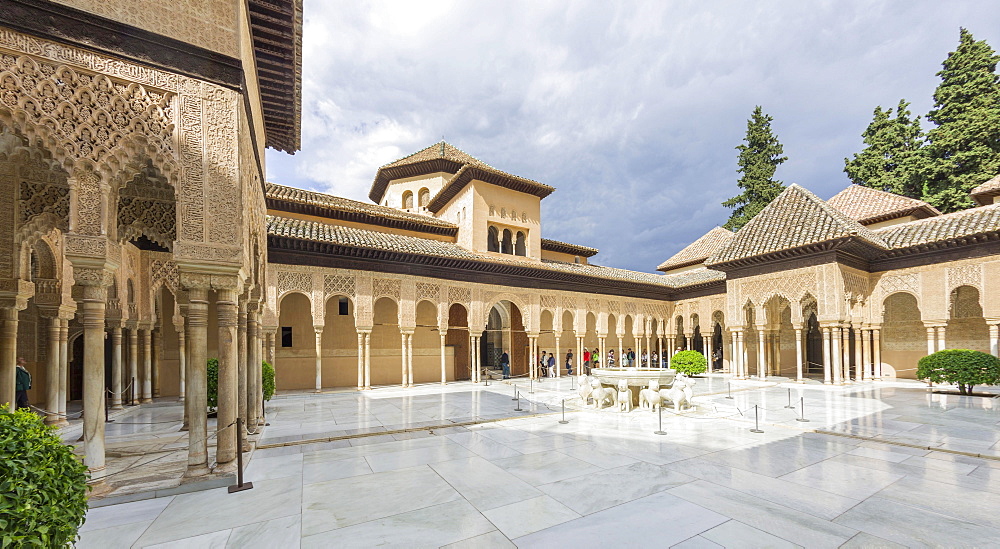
point(689, 362)
point(267, 379)
point(43, 486)
point(213, 383)
point(962, 367)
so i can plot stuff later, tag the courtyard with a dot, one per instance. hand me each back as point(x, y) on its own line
point(884, 464)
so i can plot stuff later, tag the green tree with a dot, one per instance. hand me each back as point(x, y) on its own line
point(759, 157)
point(893, 159)
point(964, 147)
point(689, 362)
point(962, 367)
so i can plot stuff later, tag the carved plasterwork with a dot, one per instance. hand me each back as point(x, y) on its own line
point(164, 272)
point(460, 295)
point(386, 287)
point(790, 286)
point(338, 285)
point(428, 291)
point(146, 208)
point(965, 275)
point(905, 282)
point(549, 302)
point(289, 281)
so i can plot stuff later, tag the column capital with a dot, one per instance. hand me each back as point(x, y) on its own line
point(935, 324)
point(319, 329)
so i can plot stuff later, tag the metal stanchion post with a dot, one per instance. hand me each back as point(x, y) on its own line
point(240, 486)
point(730, 385)
point(132, 393)
point(660, 431)
point(789, 406)
point(756, 420)
point(802, 405)
point(563, 421)
point(518, 397)
point(531, 386)
point(515, 392)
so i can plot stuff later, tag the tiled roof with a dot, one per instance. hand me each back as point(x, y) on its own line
point(697, 276)
point(867, 205)
point(338, 204)
point(441, 149)
point(795, 218)
point(564, 247)
point(699, 250)
point(987, 190)
point(363, 238)
point(960, 224)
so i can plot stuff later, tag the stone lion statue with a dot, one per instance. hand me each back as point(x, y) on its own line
point(649, 399)
point(624, 396)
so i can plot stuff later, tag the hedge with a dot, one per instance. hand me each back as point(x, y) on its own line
point(689, 362)
point(962, 367)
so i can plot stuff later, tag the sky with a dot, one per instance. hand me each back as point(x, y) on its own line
point(631, 110)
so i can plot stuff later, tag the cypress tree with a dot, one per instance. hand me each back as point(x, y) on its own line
point(759, 157)
point(893, 159)
point(964, 148)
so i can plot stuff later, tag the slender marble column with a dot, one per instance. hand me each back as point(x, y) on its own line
point(8, 357)
point(707, 340)
point(116, 364)
point(368, 360)
point(532, 353)
point(995, 340)
point(255, 372)
point(242, 377)
point(147, 365)
point(761, 354)
point(319, 357)
point(196, 402)
point(52, 372)
point(798, 353)
point(659, 355)
point(838, 357)
point(182, 364)
point(444, 363)
point(409, 360)
point(930, 340)
point(877, 351)
point(135, 387)
point(157, 352)
point(602, 348)
point(940, 338)
point(402, 356)
point(63, 369)
point(845, 354)
point(226, 316)
point(94, 298)
point(559, 358)
point(361, 360)
point(827, 358)
point(866, 353)
point(859, 359)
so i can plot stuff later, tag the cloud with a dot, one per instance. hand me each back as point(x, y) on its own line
point(631, 110)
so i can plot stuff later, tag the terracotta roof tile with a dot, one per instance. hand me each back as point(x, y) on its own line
point(699, 250)
point(363, 238)
point(868, 205)
point(564, 247)
point(440, 149)
point(697, 276)
point(987, 190)
point(795, 218)
point(336, 203)
point(984, 219)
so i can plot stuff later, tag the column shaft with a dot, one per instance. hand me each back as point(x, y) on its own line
point(361, 360)
point(838, 357)
point(226, 309)
point(63, 368)
point(995, 340)
point(242, 376)
point(761, 354)
point(930, 340)
point(116, 366)
point(444, 363)
point(827, 358)
point(8, 357)
point(135, 384)
point(182, 364)
point(402, 359)
point(866, 354)
point(877, 351)
point(859, 359)
point(196, 402)
point(93, 379)
point(52, 373)
point(368, 360)
point(157, 352)
point(940, 338)
point(147, 365)
point(319, 357)
point(798, 354)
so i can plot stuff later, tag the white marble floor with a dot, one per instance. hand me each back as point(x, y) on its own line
point(602, 479)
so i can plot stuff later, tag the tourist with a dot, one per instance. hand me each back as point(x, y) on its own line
point(645, 359)
point(23, 383)
point(611, 358)
point(552, 365)
point(543, 363)
point(596, 358)
point(586, 357)
point(569, 362)
point(631, 357)
point(505, 364)
point(654, 358)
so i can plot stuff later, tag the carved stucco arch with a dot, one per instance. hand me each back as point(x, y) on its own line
point(886, 296)
point(518, 302)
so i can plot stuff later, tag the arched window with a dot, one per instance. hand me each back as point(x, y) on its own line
point(423, 197)
point(407, 200)
point(506, 245)
point(493, 240)
point(520, 247)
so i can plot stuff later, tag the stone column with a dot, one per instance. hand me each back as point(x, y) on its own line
point(52, 372)
point(798, 353)
point(559, 358)
point(877, 351)
point(473, 358)
point(196, 402)
point(859, 360)
point(838, 357)
point(659, 354)
point(930, 340)
point(242, 376)
point(409, 359)
point(226, 314)
point(361, 360)
point(116, 363)
point(147, 365)
point(63, 369)
point(94, 284)
point(995, 340)
point(255, 372)
point(319, 358)
point(368, 359)
point(182, 363)
point(940, 338)
point(845, 353)
point(157, 352)
point(444, 362)
point(761, 354)
point(8, 356)
point(827, 358)
point(133, 364)
point(402, 356)
point(532, 354)
point(707, 340)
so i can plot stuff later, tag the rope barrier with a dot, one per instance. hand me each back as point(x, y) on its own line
point(43, 411)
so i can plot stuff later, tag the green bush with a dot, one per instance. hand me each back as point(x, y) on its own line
point(689, 362)
point(213, 383)
point(43, 486)
point(267, 379)
point(960, 366)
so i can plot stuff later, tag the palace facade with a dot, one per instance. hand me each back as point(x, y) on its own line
point(139, 239)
